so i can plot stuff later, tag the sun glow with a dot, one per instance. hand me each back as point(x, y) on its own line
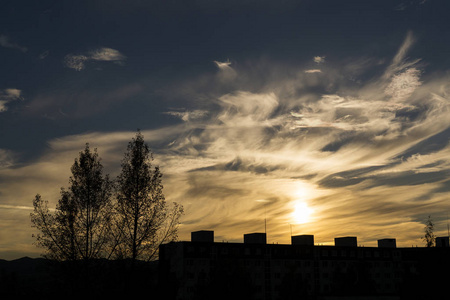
point(302, 213)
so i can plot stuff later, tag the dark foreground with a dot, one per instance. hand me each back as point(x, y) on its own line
point(41, 277)
point(27, 277)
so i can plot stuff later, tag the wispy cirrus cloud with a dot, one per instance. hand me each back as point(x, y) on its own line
point(400, 62)
point(274, 140)
point(8, 95)
point(319, 59)
point(78, 61)
point(227, 73)
point(342, 135)
point(188, 115)
point(402, 85)
point(6, 158)
point(107, 54)
point(6, 42)
point(313, 71)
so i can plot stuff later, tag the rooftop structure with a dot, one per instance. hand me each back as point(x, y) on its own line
point(348, 241)
point(255, 238)
point(206, 236)
point(442, 241)
point(304, 239)
point(387, 243)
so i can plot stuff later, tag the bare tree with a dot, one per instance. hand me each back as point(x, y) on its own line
point(143, 218)
point(429, 237)
point(54, 229)
point(79, 227)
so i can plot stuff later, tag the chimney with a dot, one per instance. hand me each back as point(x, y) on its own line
point(442, 241)
point(304, 240)
point(204, 236)
point(347, 241)
point(255, 238)
point(387, 243)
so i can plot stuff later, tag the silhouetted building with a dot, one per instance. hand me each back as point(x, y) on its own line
point(255, 238)
point(304, 240)
point(203, 269)
point(348, 241)
point(442, 241)
point(206, 236)
point(387, 243)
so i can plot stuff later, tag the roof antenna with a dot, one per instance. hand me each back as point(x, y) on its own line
point(448, 228)
point(265, 220)
point(265, 215)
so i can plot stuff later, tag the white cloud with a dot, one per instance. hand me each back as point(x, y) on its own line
point(399, 62)
point(188, 115)
point(313, 71)
point(78, 61)
point(403, 84)
point(227, 73)
point(223, 65)
point(245, 109)
point(6, 158)
point(13, 93)
point(8, 95)
point(75, 61)
point(319, 59)
point(107, 54)
point(3, 105)
point(5, 42)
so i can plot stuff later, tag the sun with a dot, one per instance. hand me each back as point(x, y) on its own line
point(302, 213)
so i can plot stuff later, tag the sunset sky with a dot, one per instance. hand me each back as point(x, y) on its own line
point(329, 118)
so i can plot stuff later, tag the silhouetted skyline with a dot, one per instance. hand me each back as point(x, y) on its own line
point(197, 268)
point(322, 116)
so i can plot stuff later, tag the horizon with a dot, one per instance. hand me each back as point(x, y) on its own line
point(310, 117)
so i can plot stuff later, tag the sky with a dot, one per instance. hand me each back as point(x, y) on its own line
point(319, 117)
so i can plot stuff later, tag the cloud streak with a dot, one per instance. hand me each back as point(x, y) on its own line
point(8, 95)
point(319, 59)
point(5, 42)
point(327, 142)
point(78, 61)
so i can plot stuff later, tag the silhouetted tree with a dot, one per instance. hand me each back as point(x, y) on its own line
point(429, 236)
point(143, 219)
point(79, 227)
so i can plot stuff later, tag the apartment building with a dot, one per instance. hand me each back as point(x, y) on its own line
point(301, 270)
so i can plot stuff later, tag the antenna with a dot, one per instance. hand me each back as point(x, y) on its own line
point(448, 228)
point(265, 214)
point(265, 220)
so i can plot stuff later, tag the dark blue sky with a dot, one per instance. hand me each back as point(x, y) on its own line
point(168, 41)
